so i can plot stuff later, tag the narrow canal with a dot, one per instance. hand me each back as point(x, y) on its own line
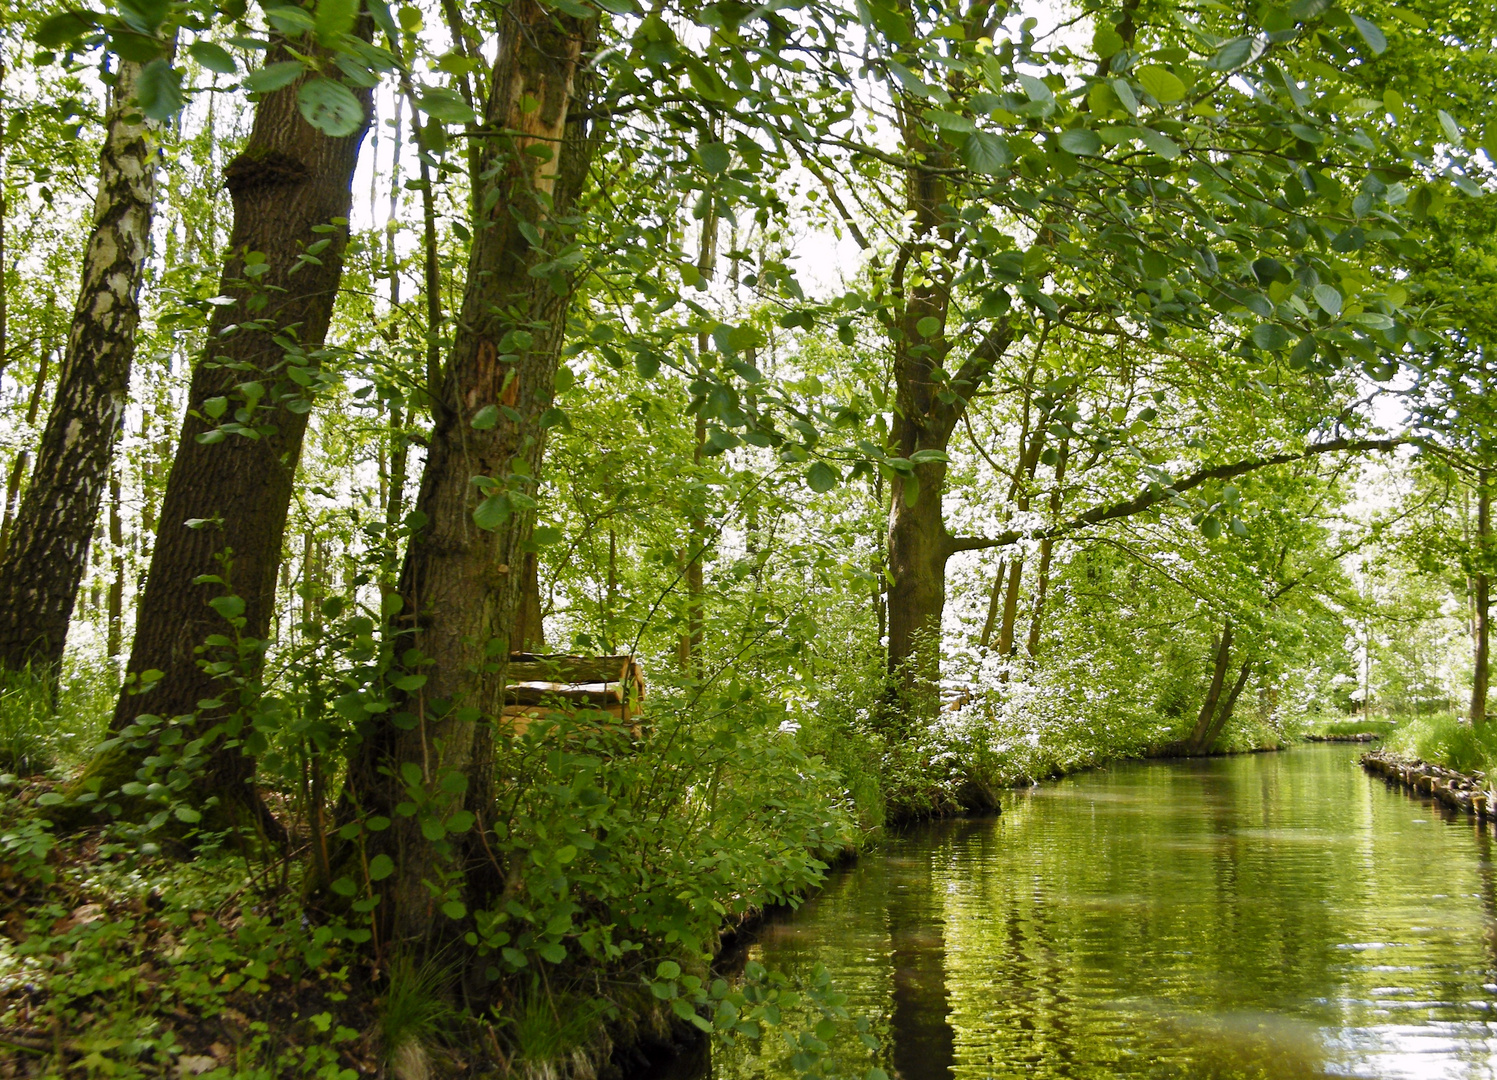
point(1271, 915)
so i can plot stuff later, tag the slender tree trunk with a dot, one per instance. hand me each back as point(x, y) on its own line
point(690, 650)
point(1047, 550)
point(228, 494)
point(116, 607)
point(1483, 597)
point(995, 604)
point(461, 583)
point(399, 444)
point(48, 551)
point(1010, 605)
point(23, 459)
point(1197, 742)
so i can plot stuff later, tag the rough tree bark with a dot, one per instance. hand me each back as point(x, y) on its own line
point(292, 189)
point(461, 583)
point(47, 552)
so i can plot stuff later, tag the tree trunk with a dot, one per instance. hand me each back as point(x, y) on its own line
point(1047, 550)
point(1224, 711)
point(1197, 742)
point(461, 583)
point(227, 493)
point(23, 459)
point(918, 550)
point(47, 555)
point(530, 631)
point(1483, 598)
point(116, 609)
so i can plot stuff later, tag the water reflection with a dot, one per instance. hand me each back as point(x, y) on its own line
point(1278, 916)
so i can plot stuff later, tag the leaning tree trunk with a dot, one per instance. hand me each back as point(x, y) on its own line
point(47, 552)
point(461, 583)
point(1198, 741)
point(1227, 707)
point(227, 495)
point(1483, 598)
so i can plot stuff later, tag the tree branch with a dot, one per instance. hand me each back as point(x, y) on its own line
point(1158, 493)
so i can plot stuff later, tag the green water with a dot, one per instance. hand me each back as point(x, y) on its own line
point(1271, 915)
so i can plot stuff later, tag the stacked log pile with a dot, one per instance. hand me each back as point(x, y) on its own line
point(546, 683)
point(1360, 736)
point(1468, 793)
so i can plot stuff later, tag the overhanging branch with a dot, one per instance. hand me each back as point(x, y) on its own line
point(1158, 493)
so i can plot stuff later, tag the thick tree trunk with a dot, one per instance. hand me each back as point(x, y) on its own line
point(1197, 743)
point(47, 553)
point(1483, 600)
point(461, 583)
point(229, 495)
point(918, 550)
point(530, 631)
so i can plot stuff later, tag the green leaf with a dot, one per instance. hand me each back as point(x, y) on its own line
point(274, 77)
point(433, 829)
point(455, 909)
point(461, 821)
point(985, 152)
point(822, 477)
point(159, 90)
point(1370, 34)
point(716, 157)
point(668, 969)
point(1211, 528)
point(410, 683)
point(485, 418)
point(334, 18)
point(492, 512)
point(52, 798)
point(1124, 90)
point(1234, 54)
point(1080, 141)
point(1452, 129)
point(950, 121)
point(63, 29)
point(1161, 83)
point(1271, 336)
point(929, 326)
point(344, 886)
point(553, 951)
point(230, 607)
point(330, 107)
point(213, 57)
point(1328, 299)
point(187, 815)
point(447, 106)
point(1159, 143)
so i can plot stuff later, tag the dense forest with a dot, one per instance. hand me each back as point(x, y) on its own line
point(499, 493)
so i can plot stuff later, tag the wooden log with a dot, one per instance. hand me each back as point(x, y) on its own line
point(535, 667)
point(537, 693)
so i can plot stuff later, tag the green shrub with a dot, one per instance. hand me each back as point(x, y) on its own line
point(1446, 739)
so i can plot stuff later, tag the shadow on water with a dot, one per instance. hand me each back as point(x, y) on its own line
point(1274, 916)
